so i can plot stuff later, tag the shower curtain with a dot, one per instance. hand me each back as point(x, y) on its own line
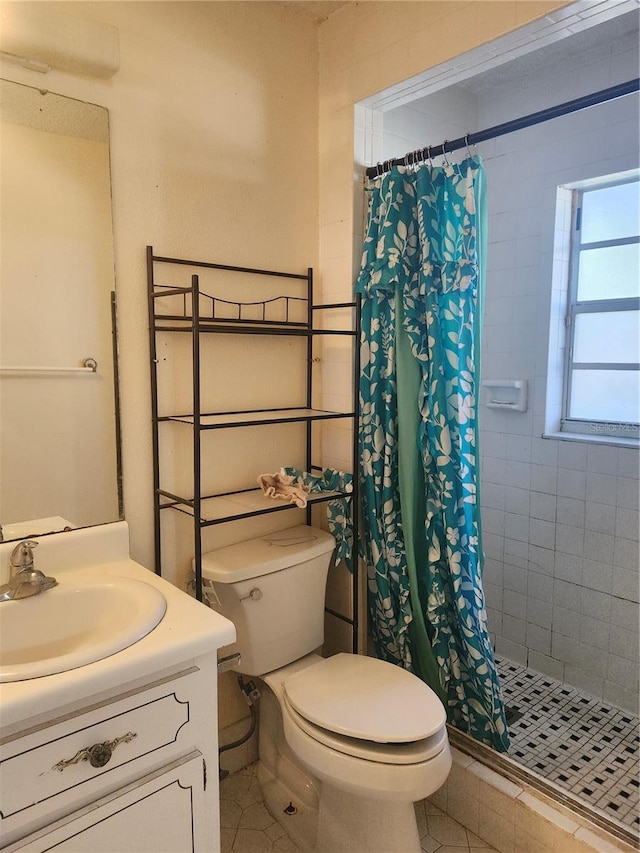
point(420, 283)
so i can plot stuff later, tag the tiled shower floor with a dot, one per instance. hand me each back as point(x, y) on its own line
point(581, 743)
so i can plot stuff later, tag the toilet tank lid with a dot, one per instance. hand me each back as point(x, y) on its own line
point(270, 553)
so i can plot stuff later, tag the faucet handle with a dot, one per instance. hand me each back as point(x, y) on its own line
point(22, 555)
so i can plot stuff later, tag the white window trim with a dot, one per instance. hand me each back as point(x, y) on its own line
point(557, 426)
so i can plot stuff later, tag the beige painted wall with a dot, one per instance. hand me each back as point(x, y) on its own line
point(214, 128)
point(214, 146)
point(213, 119)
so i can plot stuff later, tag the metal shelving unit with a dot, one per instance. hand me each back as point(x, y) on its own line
point(196, 313)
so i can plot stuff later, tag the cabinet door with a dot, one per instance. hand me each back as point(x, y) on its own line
point(164, 812)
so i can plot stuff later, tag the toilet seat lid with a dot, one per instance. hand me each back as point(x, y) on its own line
point(365, 698)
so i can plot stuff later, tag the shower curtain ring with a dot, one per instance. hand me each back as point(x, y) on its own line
point(466, 142)
point(444, 153)
point(428, 150)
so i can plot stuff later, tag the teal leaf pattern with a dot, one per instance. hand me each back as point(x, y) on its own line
point(338, 513)
point(421, 243)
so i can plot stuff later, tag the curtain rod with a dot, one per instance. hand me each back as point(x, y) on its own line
point(568, 107)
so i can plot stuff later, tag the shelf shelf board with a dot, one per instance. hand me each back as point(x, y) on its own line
point(225, 420)
point(236, 505)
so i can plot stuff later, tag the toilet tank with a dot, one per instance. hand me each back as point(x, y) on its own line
point(273, 590)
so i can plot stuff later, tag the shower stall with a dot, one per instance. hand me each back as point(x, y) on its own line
point(559, 511)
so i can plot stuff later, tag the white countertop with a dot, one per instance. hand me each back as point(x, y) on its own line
point(188, 630)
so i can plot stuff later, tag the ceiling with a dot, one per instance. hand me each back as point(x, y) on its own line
point(318, 10)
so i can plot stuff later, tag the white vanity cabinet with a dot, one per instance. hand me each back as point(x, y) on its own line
point(133, 772)
point(119, 755)
point(161, 813)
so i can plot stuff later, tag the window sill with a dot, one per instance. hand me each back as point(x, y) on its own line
point(610, 440)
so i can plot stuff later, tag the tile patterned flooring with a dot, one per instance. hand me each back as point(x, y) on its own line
point(579, 742)
point(247, 827)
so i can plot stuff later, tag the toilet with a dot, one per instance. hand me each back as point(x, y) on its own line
point(356, 738)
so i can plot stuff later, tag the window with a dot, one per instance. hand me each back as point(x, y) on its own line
point(602, 368)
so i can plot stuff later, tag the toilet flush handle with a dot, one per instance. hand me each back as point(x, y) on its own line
point(255, 595)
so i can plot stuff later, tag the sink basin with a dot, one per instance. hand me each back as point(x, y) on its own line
point(73, 624)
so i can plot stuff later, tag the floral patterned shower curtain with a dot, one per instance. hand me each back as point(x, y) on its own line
point(420, 283)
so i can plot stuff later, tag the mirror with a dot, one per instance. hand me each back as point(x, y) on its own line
point(59, 456)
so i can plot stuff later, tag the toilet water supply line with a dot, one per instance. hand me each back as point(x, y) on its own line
point(250, 693)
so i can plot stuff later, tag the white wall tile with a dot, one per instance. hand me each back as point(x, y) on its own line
point(628, 463)
point(544, 478)
point(628, 493)
point(570, 511)
point(596, 605)
point(546, 665)
point(516, 526)
point(514, 603)
point(600, 517)
point(538, 640)
point(584, 680)
point(571, 483)
point(624, 583)
point(513, 651)
point(621, 696)
point(572, 454)
point(625, 614)
point(540, 586)
point(626, 554)
point(516, 552)
point(602, 459)
point(624, 643)
point(542, 533)
point(540, 613)
point(542, 559)
point(602, 488)
point(568, 623)
point(570, 540)
point(567, 594)
point(595, 632)
point(515, 578)
point(568, 567)
point(595, 575)
point(627, 523)
point(623, 672)
point(599, 546)
point(543, 506)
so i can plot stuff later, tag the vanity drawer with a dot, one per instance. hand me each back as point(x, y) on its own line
point(80, 757)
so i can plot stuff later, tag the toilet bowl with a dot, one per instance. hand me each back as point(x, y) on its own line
point(371, 736)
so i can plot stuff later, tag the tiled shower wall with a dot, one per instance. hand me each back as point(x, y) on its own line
point(560, 517)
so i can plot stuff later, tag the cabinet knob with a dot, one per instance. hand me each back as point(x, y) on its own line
point(97, 755)
point(100, 754)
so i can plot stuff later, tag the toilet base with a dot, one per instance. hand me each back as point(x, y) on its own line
point(302, 826)
point(353, 824)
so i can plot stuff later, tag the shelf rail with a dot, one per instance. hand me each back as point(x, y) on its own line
point(200, 312)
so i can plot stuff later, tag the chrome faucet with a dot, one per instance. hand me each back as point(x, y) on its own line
point(25, 580)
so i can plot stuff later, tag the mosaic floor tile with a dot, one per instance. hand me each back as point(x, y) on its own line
point(247, 827)
point(579, 742)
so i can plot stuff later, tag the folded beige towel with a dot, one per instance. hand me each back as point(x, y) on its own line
point(280, 485)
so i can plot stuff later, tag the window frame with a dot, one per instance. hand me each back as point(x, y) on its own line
point(575, 307)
